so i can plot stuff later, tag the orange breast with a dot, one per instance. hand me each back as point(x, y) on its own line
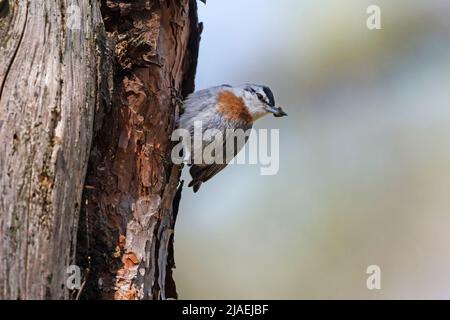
point(233, 107)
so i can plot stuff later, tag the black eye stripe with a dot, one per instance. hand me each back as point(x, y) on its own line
point(268, 98)
point(269, 95)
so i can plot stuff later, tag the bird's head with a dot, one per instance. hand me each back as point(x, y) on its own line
point(260, 101)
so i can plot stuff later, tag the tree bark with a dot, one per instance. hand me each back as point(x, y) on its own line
point(48, 93)
point(130, 200)
point(65, 84)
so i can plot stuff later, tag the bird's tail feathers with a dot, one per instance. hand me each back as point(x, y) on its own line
point(195, 184)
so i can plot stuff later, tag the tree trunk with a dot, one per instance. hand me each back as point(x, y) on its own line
point(64, 83)
point(130, 200)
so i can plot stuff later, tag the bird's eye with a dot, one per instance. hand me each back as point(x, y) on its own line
point(260, 96)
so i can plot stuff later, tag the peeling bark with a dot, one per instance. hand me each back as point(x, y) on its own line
point(66, 84)
point(132, 191)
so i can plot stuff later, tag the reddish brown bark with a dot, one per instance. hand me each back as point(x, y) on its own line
point(132, 190)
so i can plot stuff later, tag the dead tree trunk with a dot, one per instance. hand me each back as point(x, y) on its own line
point(130, 198)
point(48, 93)
point(65, 85)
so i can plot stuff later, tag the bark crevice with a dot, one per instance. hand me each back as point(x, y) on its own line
point(47, 108)
point(78, 99)
point(131, 182)
point(4, 9)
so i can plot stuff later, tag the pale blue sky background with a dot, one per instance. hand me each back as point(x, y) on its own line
point(364, 155)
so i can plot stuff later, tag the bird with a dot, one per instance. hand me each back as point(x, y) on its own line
point(223, 108)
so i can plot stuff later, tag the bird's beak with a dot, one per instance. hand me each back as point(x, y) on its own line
point(278, 112)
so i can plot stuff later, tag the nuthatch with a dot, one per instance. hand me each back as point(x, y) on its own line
point(224, 108)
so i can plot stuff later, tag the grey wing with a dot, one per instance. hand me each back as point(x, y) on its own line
point(203, 172)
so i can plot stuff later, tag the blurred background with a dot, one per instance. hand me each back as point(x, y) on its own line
point(364, 155)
